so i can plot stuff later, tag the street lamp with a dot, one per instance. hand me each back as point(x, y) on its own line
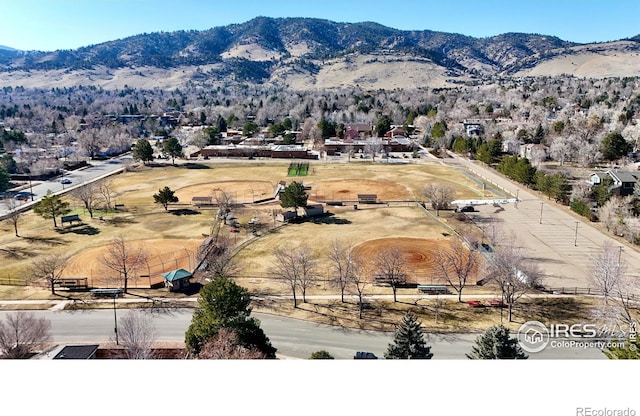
point(30, 187)
point(575, 239)
point(115, 319)
point(619, 256)
point(541, 206)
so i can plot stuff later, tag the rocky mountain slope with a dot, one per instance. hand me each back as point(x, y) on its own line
point(313, 53)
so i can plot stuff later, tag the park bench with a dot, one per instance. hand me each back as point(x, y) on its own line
point(433, 289)
point(72, 283)
point(107, 293)
point(70, 218)
point(116, 206)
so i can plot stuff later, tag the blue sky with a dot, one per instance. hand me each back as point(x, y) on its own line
point(68, 24)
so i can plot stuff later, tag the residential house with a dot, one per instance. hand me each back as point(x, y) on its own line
point(623, 181)
point(358, 130)
point(534, 152)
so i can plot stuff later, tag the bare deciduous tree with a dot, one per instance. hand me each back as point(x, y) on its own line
point(607, 270)
point(456, 264)
point(373, 146)
point(439, 195)
point(124, 258)
point(343, 261)
point(50, 268)
point(225, 202)
point(285, 269)
point(106, 190)
point(22, 333)
point(613, 214)
point(137, 335)
point(359, 282)
point(15, 215)
point(90, 141)
point(510, 270)
point(390, 268)
point(225, 346)
point(307, 266)
point(87, 194)
point(297, 268)
point(219, 258)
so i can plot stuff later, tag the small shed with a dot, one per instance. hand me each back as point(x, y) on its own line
point(313, 210)
point(286, 216)
point(177, 280)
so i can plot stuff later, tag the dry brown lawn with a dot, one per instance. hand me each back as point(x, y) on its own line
point(168, 236)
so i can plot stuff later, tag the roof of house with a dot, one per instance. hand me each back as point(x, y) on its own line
point(77, 352)
point(175, 275)
point(622, 176)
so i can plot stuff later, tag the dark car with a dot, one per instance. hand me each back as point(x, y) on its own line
point(364, 355)
point(467, 208)
point(65, 181)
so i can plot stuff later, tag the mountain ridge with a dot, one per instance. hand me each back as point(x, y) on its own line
point(284, 50)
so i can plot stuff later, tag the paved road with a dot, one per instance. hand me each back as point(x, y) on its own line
point(96, 170)
point(293, 338)
point(563, 254)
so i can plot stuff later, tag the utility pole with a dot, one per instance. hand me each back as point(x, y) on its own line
point(575, 239)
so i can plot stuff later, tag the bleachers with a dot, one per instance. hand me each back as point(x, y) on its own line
point(433, 289)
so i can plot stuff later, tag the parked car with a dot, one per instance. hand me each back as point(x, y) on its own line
point(364, 355)
point(65, 181)
point(467, 208)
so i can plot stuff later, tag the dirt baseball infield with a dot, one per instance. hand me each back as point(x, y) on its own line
point(162, 256)
point(419, 254)
point(241, 191)
point(348, 190)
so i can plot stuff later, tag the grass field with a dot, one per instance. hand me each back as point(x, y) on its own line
point(172, 238)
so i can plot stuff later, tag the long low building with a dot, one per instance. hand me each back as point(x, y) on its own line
point(276, 152)
point(396, 144)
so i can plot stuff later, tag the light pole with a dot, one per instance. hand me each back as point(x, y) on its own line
point(619, 256)
point(501, 306)
point(115, 319)
point(541, 206)
point(575, 239)
point(30, 187)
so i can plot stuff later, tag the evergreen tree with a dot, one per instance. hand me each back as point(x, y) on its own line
point(408, 341)
point(164, 197)
point(142, 151)
point(173, 148)
point(4, 179)
point(614, 146)
point(383, 125)
point(496, 344)
point(224, 304)
point(51, 206)
point(294, 196)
